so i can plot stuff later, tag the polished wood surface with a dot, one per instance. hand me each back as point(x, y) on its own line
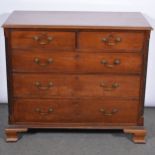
point(42, 39)
point(25, 85)
point(73, 19)
point(75, 111)
point(138, 135)
point(86, 74)
point(75, 62)
point(111, 40)
point(12, 135)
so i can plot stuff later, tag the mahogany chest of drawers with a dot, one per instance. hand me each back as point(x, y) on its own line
point(76, 70)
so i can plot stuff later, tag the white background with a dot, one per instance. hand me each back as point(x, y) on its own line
point(147, 7)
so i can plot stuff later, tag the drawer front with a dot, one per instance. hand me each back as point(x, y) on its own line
point(43, 40)
point(111, 40)
point(40, 61)
point(49, 86)
point(45, 111)
point(112, 112)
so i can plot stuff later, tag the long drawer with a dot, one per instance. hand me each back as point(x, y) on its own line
point(43, 40)
point(50, 85)
point(118, 40)
point(114, 112)
point(48, 61)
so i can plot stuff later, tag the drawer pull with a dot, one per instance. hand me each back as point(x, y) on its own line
point(111, 41)
point(105, 113)
point(38, 110)
point(109, 88)
point(43, 40)
point(39, 85)
point(105, 63)
point(48, 61)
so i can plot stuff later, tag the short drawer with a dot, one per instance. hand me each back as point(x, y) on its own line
point(43, 40)
point(106, 112)
point(111, 40)
point(49, 86)
point(72, 62)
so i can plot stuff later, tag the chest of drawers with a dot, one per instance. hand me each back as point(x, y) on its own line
point(76, 70)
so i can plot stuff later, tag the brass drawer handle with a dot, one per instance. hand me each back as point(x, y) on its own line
point(105, 63)
point(113, 86)
point(47, 62)
point(39, 85)
point(38, 110)
point(43, 40)
point(111, 40)
point(105, 113)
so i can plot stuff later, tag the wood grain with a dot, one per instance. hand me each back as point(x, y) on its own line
point(24, 85)
point(75, 62)
point(77, 20)
point(75, 111)
point(81, 70)
point(39, 39)
point(128, 40)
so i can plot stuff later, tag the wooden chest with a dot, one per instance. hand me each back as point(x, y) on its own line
point(84, 70)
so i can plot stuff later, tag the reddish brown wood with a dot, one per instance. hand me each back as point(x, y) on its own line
point(95, 40)
point(76, 111)
point(43, 40)
point(138, 135)
point(88, 89)
point(12, 134)
point(75, 62)
point(143, 78)
point(77, 20)
point(24, 85)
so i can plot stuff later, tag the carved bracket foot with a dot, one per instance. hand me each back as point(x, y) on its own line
point(138, 135)
point(12, 134)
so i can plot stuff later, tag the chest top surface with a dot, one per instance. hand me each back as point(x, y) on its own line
point(77, 20)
